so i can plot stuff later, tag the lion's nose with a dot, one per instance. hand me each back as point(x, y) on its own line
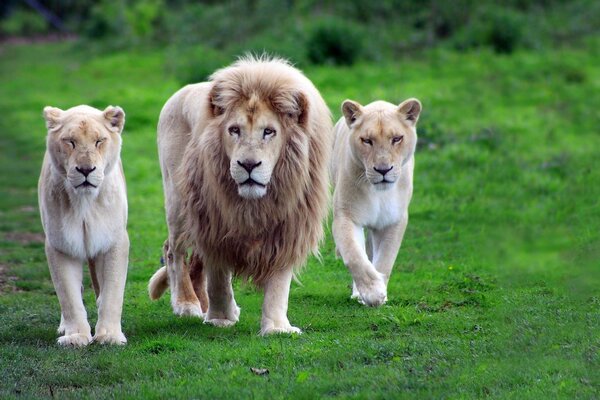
point(249, 165)
point(85, 171)
point(383, 171)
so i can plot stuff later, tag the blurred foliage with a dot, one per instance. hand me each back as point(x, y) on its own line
point(23, 22)
point(200, 34)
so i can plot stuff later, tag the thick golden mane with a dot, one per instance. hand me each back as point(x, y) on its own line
point(278, 231)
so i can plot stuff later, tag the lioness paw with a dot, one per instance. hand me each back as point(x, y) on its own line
point(373, 293)
point(188, 310)
point(75, 340)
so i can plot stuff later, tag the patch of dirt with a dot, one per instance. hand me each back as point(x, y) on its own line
point(24, 237)
point(7, 281)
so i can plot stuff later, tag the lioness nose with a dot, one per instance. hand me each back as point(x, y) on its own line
point(383, 171)
point(249, 165)
point(85, 171)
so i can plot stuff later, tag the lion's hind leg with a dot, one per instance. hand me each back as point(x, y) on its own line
point(222, 308)
point(198, 277)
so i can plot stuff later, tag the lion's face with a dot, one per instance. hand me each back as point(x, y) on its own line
point(383, 137)
point(84, 144)
point(253, 140)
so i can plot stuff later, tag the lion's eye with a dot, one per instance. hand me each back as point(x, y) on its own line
point(99, 141)
point(367, 141)
point(234, 130)
point(268, 132)
point(397, 139)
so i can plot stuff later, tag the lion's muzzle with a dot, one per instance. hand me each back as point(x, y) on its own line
point(252, 178)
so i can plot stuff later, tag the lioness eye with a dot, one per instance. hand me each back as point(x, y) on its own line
point(72, 143)
point(268, 132)
point(234, 130)
point(397, 139)
point(367, 141)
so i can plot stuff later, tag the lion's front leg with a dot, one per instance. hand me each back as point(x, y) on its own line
point(368, 284)
point(111, 273)
point(222, 308)
point(275, 305)
point(67, 275)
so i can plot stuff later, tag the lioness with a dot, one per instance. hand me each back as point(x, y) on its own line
point(372, 172)
point(244, 163)
point(83, 205)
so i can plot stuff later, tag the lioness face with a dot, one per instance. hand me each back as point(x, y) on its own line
point(383, 138)
point(253, 141)
point(84, 144)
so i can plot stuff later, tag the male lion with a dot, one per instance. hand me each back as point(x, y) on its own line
point(372, 171)
point(83, 205)
point(244, 163)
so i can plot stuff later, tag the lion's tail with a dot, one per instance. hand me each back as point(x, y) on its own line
point(158, 283)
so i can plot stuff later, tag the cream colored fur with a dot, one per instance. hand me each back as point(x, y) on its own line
point(244, 163)
point(372, 172)
point(83, 205)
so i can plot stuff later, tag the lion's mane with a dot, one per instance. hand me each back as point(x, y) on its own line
point(258, 237)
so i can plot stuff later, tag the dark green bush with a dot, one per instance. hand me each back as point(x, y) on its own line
point(23, 22)
point(498, 28)
point(332, 41)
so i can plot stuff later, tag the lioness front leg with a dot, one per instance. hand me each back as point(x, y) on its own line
point(275, 304)
point(67, 275)
point(386, 243)
point(111, 273)
point(349, 240)
point(222, 308)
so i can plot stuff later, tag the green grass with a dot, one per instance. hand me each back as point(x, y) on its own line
point(494, 293)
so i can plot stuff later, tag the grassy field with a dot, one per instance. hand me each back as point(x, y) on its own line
point(495, 293)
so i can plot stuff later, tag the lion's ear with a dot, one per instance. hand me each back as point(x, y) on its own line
point(301, 108)
point(292, 104)
point(214, 110)
point(115, 116)
point(52, 115)
point(410, 110)
point(352, 111)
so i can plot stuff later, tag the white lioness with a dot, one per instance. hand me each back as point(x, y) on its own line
point(83, 205)
point(372, 172)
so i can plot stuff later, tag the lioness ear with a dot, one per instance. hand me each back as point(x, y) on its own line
point(115, 117)
point(52, 116)
point(410, 110)
point(352, 111)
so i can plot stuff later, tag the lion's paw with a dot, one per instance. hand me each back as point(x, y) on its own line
point(270, 327)
point(372, 293)
point(110, 338)
point(75, 340)
point(188, 310)
point(220, 322)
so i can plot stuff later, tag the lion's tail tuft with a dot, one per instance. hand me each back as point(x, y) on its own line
point(158, 283)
